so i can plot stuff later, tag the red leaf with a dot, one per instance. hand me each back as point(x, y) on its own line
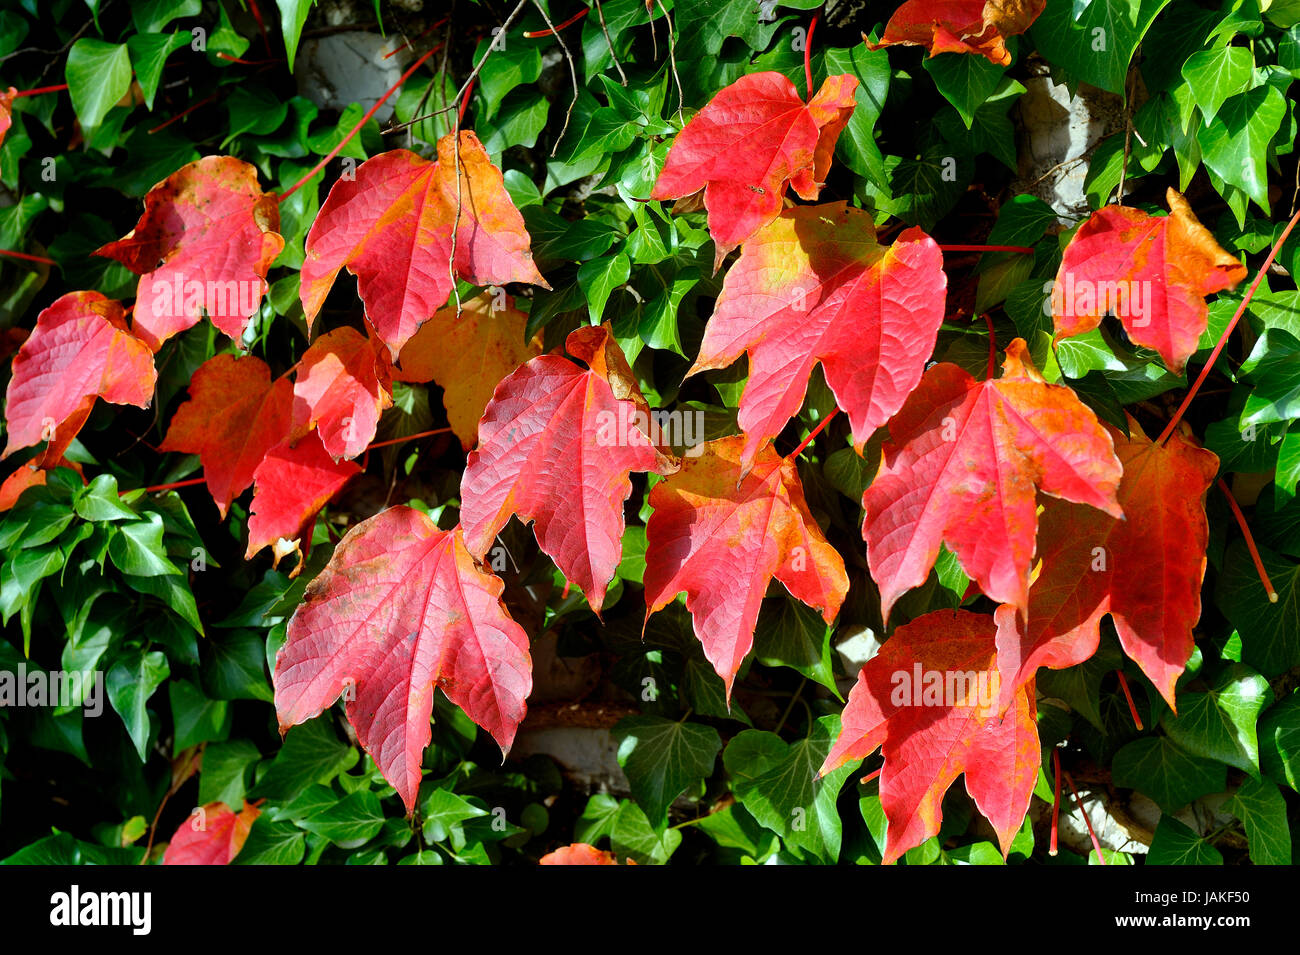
point(217, 841)
point(751, 140)
point(391, 227)
point(400, 608)
point(813, 286)
point(1152, 272)
point(79, 350)
point(468, 356)
point(929, 698)
point(961, 26)
point(340, 389)
point(204, 243)
point(721, 538)
point(6, 110)
point(580, 853)
point(235, 415)
point(962, 466)
point(1145, 571)
point(290, 486)
point(555, 446)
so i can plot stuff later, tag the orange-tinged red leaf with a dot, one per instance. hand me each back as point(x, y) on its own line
point(929, 699)
point(402, 608)
point(79, 350)
point(235, 415)
point(468, 356)
point(752, 140)
point(721, 538)
point(290, 486)
point(555, 446)
point(813, 286)
point(391, 227)
point(961, 468)
point(341, 387)
point(1151, 272)
point(212, 838)
point(580, 853)
point(1145, 571)
point(6, 111)
point(961, 26)
point(26, 476)
point(204, 243)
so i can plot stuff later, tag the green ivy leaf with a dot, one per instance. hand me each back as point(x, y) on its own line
point(1214, 75)
point(662, 758)
point(1261, 808)
point(272, 843)
point(98, 74)
point(1220, 724)
point(1176, 844)
point(1094, 45)
point(130, 683)
point(778, 783)
point(1159, 768)
point(349, 823)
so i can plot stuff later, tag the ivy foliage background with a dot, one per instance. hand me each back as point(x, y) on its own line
point(153, 590)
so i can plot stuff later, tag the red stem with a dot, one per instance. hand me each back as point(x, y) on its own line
point(357, 128)
point(870, 776)
point(1056, 802)
point(30, 258)
point(993, 349)
point(1250, 542)
point(409, 437)
point(41, 89)
point(535, 34)
point(469, 91)
point(183, 113)
point(235, 59)
point(1086, 821)
point(166, 487)
point(378, 444)
point(1223, 339)
point(812, 434)
point(261, 26)
point(424, 33)
point(807, 55)
point(1022, 249)
point(1133, 710)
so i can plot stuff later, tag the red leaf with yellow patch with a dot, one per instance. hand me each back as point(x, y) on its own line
point(235, 415)
point(203, 245)
point(752, 140)
point(814, 286)
point(929, 700)
point(962, 466)
point(555, 446)
point(1151, 272)
point(391, 226)
point(961, 26)
point(212, 838)
point(1145, 571)
point(468, 356)
point(402, 608)
point(79, 350)
point(341, 388)
point(721, 535)
point(290, 486)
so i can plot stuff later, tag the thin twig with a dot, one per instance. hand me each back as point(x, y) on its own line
point(672, 60)
point(573, 74)
point(614, 56)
